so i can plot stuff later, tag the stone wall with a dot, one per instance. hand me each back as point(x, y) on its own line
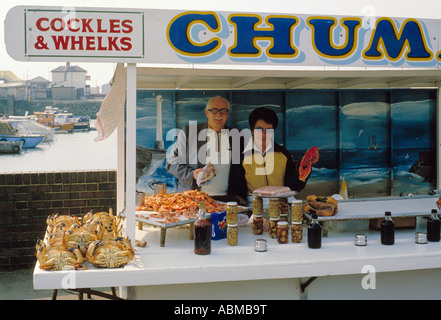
point(27, 199)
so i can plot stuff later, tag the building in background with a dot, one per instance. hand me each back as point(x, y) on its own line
point(69, 82)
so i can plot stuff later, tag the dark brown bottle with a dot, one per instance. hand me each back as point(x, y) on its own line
point(202, 232)
point(433, 227)
point(314, 233)
point(387, 230)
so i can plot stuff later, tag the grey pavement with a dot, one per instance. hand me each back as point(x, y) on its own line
point(18, 285)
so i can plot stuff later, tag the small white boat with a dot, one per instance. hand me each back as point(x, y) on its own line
point(11, 146)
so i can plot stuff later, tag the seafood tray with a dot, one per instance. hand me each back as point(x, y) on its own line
point(149, 217)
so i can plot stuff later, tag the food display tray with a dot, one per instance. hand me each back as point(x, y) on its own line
point(144, 217)
point(281, 195)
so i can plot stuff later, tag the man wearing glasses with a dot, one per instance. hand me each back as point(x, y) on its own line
point(204, 144)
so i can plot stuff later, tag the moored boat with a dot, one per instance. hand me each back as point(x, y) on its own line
point(53, 118)
point(11, 147)
point(81, 123)
point(10, 134)
point(29, 126)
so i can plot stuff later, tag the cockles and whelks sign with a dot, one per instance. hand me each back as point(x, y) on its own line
point(192, 37)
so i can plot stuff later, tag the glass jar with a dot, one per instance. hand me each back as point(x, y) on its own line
point(260, 245)
point(232, 234)
point(297, 232)
point(273, 208)
point(257, 206)
point(296, 211)
point(283, 206)
point(360, 240)
point(273, 228)
point(257, 224)
point(283, 217)
point(282, 232)
point(231, 212)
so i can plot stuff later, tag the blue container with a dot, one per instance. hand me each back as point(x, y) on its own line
point(218, 225)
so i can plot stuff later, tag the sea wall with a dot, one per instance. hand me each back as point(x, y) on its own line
point(77, 107)
point(27, 199)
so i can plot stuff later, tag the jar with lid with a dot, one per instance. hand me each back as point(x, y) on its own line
point(202, 232)
point(273, 228)
point(257, 206)
point(232, 234)
point(257, 224)
point(297, 232)
point(232, 212)
point(283, 217)
point(282, 232)
point(296, 210)
point(273, 208)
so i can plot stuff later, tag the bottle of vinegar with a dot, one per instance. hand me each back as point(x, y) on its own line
point(433, 227)
point(314, 233)
point(387, 230)
point(202, 232)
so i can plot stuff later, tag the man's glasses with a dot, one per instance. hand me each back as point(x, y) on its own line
point(216, 110)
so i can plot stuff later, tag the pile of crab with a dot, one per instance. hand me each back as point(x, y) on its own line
point(96, 237)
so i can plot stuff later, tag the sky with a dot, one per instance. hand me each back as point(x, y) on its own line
point(101, 73)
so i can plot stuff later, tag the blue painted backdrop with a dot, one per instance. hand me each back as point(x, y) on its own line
point(382, 142)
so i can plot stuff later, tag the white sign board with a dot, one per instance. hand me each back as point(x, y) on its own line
point(223, 38)
point(64, 34)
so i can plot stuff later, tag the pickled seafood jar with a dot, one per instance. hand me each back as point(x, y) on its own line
point(283, 217)
point(231, 212)
point(273, 228)
point(283, 206)
point(273, 208)
point(297, 232)
point(297, 211)
point(282, 232)
point(257, 224)
point(257, 205)
point(232, 234)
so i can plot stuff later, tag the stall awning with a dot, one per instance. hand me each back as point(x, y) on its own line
point(227, 78)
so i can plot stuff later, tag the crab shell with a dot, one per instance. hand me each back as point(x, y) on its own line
point(81, 237)
point(110, 253)
point(58, 258)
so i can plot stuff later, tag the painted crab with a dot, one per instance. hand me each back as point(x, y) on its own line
point(58, 257)
point(110, 253)
point(310, 157)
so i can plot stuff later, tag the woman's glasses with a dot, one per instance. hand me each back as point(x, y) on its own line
point(216, 111)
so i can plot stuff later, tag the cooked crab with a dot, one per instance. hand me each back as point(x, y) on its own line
point(110, 253)
point(58, 257)
point(80, 237)
point(110, 225)
point(56, 221)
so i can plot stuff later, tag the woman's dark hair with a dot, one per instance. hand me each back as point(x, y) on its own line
point(265, 114)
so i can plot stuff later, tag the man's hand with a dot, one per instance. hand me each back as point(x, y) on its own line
point(196, 172)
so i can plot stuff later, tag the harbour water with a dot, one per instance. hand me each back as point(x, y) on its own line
point(67, 152)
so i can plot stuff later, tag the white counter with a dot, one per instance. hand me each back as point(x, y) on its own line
point(213, 276)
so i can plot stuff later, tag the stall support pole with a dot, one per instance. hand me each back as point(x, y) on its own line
point(120, 173)
point(438, 139)
point(131, 152)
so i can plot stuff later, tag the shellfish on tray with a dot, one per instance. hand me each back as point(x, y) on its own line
point(323, 206)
